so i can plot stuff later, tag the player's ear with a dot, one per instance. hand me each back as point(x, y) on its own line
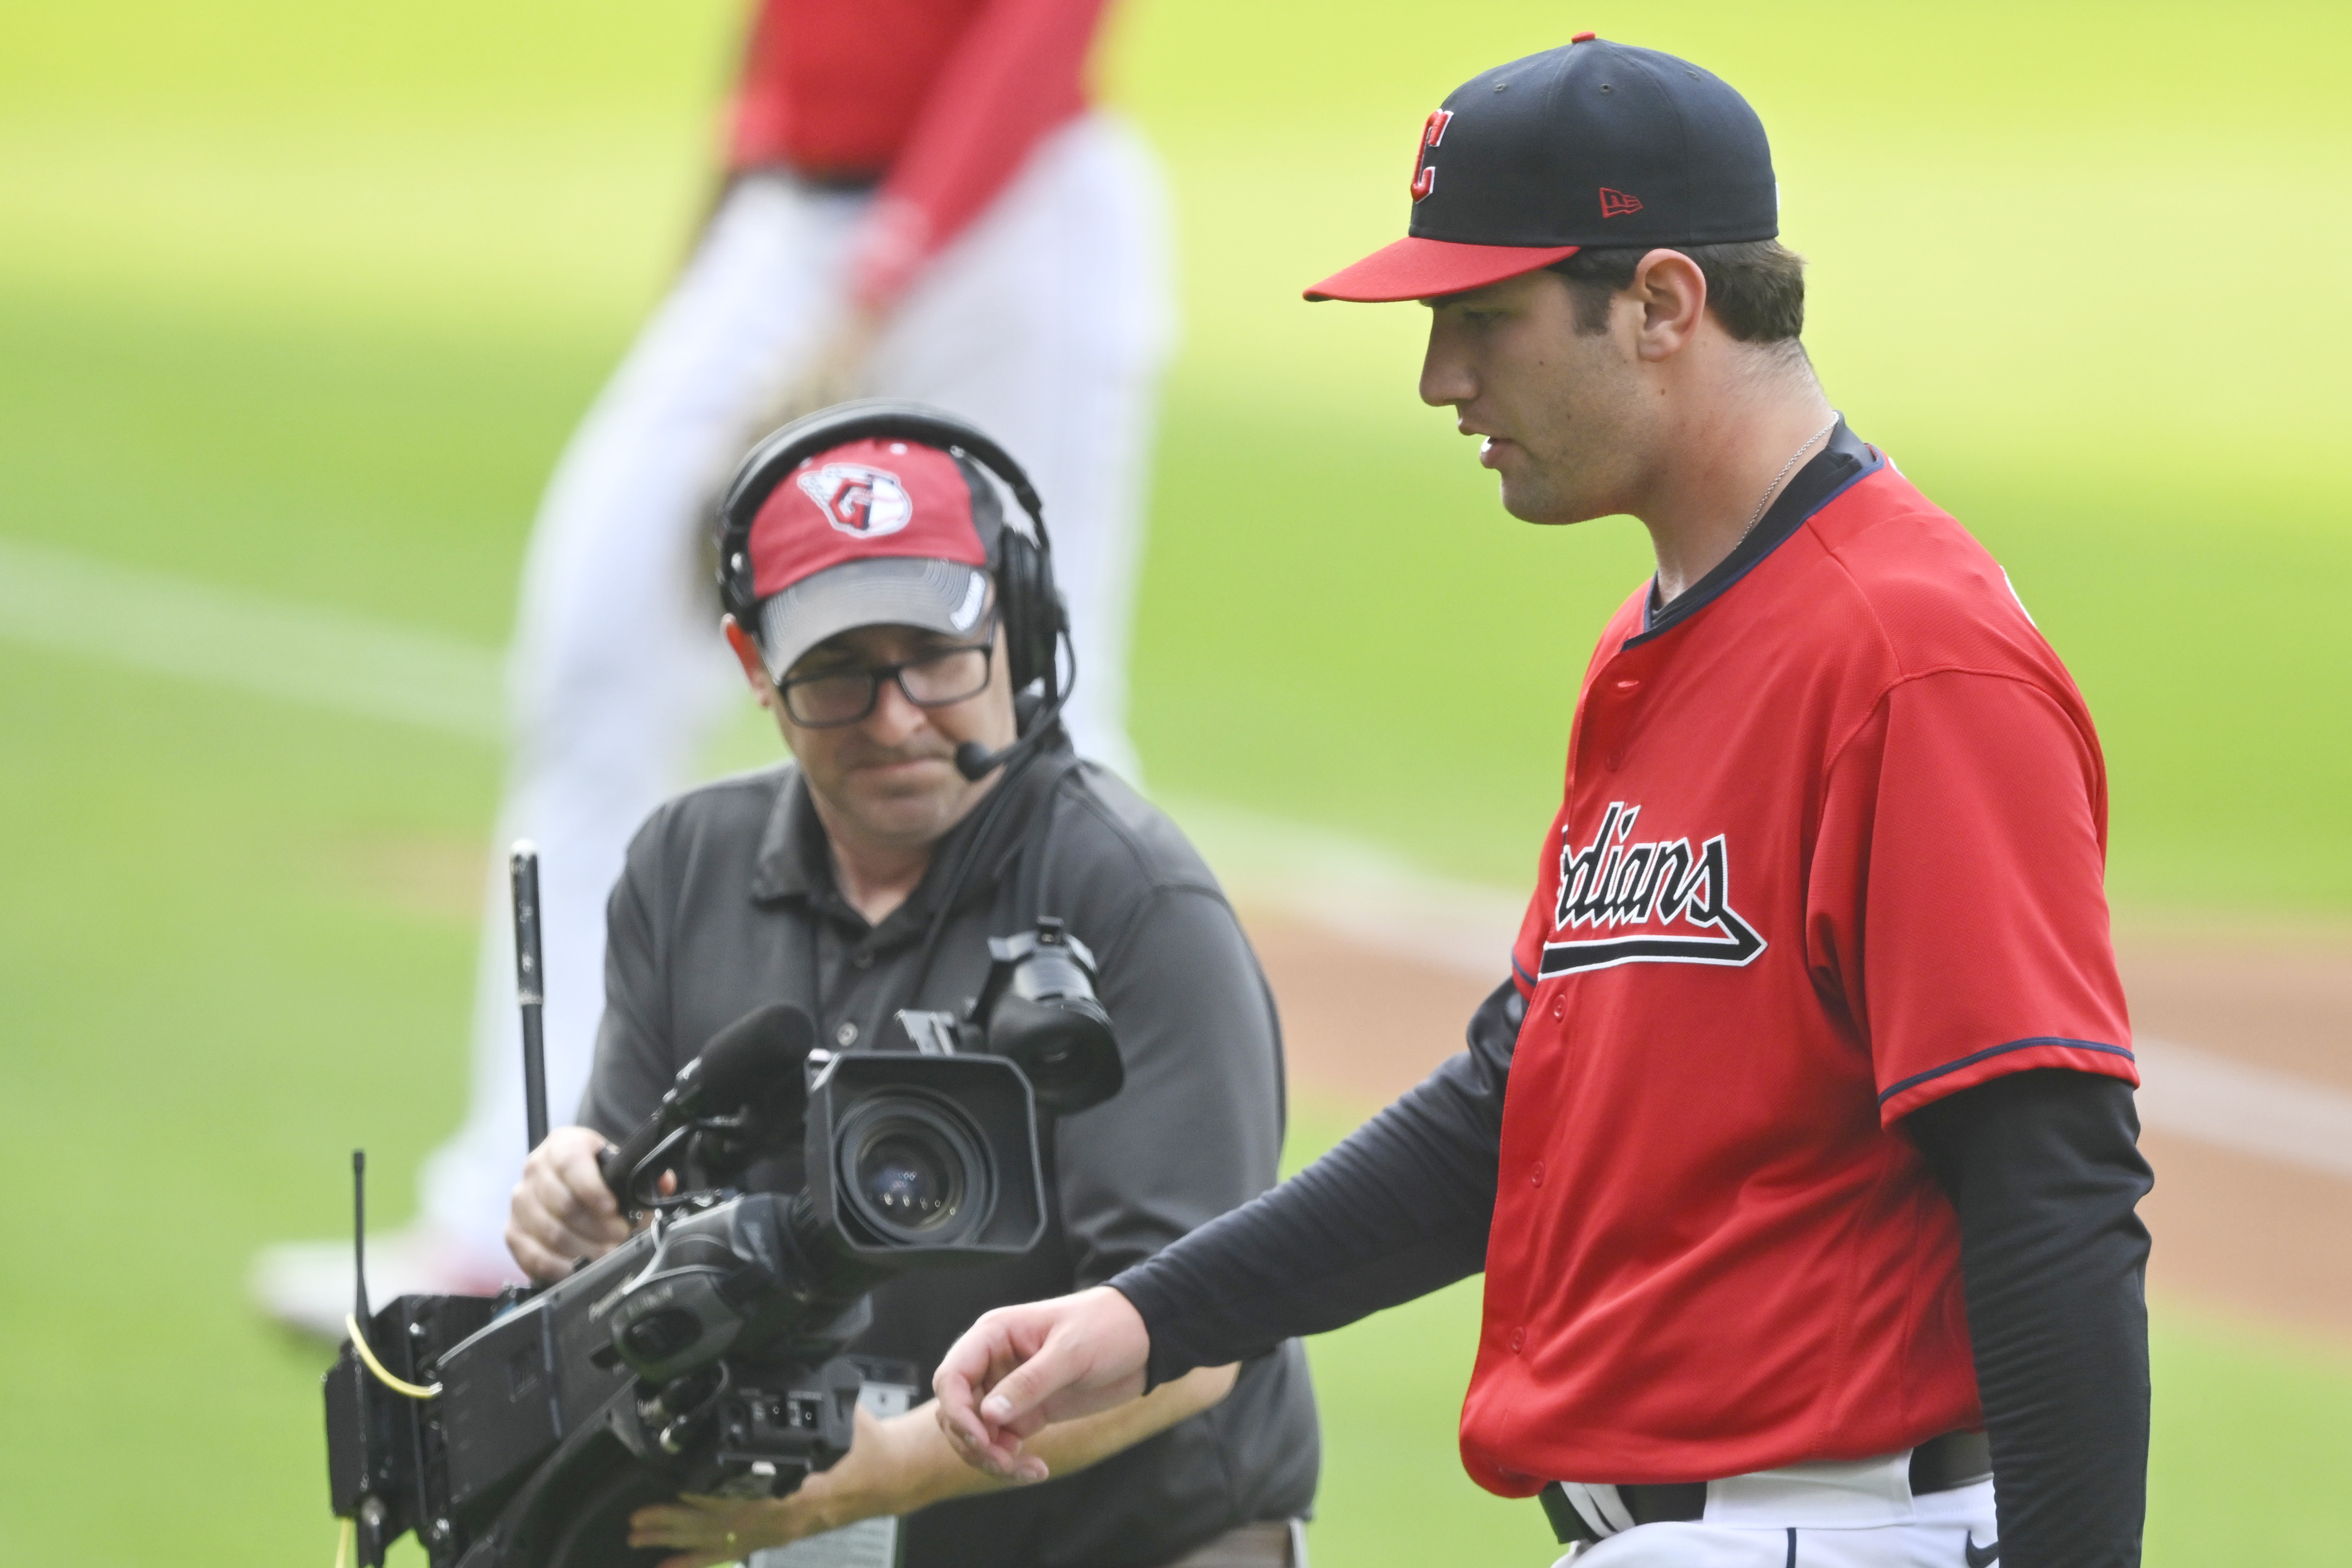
point(1672, 292)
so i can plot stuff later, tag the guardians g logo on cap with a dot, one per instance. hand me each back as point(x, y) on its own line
point(858, 500)
point(1592, 145)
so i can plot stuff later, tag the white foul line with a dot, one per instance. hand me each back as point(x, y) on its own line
point(2258, 1111)
point(170, 626)
point(1386, 906)
point(371, 669)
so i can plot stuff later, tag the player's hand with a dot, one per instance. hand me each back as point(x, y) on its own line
point(1019, 1369)
point(562, 1210)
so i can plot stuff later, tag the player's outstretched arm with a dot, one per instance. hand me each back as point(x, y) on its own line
point(1020, 1369)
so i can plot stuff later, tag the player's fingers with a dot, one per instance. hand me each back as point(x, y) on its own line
point(1002, 1459)
point(958, 1391)
point(966, 1372)
point(1023, 1390)
point(968, 1436)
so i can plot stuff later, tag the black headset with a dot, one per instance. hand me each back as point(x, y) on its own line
point(1036, 624)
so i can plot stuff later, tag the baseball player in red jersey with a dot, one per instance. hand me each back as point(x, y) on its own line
point(920, 204)
point(1798, 1150)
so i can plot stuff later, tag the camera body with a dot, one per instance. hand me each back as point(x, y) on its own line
point(706, 1353)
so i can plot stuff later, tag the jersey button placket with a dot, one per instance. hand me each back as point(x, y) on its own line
point(1622, 691)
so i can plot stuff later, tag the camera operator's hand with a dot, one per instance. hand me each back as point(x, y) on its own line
point(1020, 1368)
point(905, 1463)
point(883, 1473)
point(561, 1209)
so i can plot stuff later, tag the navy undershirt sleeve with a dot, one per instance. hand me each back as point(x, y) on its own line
point(2045, 1170)
point(1398, 1209)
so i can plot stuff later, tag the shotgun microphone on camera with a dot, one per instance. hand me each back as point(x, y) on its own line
point(749, 1059)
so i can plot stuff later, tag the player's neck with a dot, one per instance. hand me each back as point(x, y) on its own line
point(1726, 458)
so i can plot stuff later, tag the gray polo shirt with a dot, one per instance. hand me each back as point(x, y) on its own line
point(728, 901)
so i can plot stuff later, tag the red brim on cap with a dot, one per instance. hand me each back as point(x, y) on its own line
point(1425, 268)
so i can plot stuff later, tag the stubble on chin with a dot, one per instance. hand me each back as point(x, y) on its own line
point(1534, 496)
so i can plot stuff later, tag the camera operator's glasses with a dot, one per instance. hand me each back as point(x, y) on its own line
point(837, 697)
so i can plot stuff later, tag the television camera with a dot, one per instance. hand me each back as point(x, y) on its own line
point(706, 1354)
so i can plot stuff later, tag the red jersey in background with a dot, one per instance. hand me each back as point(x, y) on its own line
point(941, 101)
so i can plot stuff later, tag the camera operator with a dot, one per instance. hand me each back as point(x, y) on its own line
point(867, 876)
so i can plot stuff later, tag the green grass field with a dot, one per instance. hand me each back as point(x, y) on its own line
point(300, 301)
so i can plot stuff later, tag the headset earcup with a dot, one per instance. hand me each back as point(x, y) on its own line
point(1033, 616)
point(1016, 577)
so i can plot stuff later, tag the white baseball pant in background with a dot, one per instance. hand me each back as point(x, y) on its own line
point(1047, 324)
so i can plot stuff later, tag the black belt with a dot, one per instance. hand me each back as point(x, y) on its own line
point(1939, 1464)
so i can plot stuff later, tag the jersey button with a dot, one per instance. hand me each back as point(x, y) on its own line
point(1559, 1009)
point(1535, 1176)
point(861, 960)
point(1629, 686)
point(845, 1035)
point(1518, 1338)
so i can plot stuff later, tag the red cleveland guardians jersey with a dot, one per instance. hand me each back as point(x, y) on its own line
point(1832, 846)
point(939, 99)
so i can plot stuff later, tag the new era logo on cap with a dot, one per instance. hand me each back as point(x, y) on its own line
point(1617, 203)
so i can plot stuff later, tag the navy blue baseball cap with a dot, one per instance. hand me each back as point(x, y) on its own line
point(1594, 143)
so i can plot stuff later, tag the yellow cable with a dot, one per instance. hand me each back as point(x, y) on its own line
point(398, 1385)
point(343, 1544)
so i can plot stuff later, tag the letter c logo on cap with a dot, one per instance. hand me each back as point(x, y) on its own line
point(1433, 132)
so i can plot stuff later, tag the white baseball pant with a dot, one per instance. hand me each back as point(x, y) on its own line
point(1858, 1515)
point(1047, 324)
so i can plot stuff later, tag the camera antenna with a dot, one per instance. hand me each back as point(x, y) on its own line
point(530, 987)
point(358, 1236)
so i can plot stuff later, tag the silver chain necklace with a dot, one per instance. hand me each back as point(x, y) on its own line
point(1766, 498)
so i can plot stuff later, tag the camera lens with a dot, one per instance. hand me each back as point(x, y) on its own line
point(914, 1169)
point(903, 1174)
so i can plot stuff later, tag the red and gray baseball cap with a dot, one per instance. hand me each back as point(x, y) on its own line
point(1594, 143)
point(871, 533)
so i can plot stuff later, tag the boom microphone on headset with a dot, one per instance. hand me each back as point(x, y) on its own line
point(976, 761)
point(744, 1061)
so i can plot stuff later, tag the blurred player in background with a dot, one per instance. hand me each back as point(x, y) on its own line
point(921, 203)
